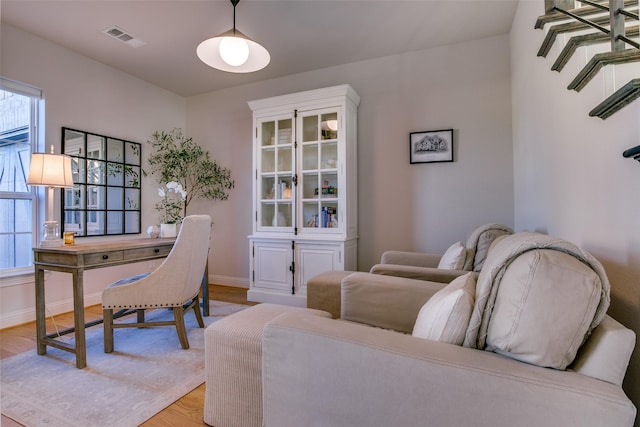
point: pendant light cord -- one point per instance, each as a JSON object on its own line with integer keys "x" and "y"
{"x": 234, "y": 3}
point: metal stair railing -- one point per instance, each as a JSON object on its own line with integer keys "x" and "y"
{"x": 618, "y": 33}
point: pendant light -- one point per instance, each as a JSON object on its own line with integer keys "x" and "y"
{"x": 233, "y": 51}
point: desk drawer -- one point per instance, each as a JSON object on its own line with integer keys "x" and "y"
{"x": 103, "y": 257}
{"x": 142, "y": 253}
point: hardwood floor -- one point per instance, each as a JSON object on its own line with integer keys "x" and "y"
{"x": 185, "y": 412}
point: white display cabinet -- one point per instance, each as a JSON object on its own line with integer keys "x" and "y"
{"x": 304, "y": 191}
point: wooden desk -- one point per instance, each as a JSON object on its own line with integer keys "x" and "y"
{"x": 76, "y": 259}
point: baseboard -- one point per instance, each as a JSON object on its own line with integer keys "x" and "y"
{"x": 240, "y": 282}
{"x": 27, "y": 315}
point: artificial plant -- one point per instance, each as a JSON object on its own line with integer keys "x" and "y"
{"x": 177, "y": 158}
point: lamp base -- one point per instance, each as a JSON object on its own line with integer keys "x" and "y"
{"x": 51, "y": 237}
{"x": 51, "y": 243}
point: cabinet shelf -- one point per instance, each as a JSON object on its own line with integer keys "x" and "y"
{"x": 316, "y": 171}
{"x": 273, "y": 147}
{"x": 281, "y": 174}
{"x": 323, "y": 199}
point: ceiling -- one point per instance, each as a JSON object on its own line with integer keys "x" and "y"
{"x": 301, "y": 35}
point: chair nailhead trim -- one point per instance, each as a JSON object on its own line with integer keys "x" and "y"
{"x": 143, "y": 306}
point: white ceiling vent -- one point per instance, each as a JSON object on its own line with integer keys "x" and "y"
{"x": 123, "y": 36}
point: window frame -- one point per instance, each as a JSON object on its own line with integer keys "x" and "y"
{"x": 34, "y": 194}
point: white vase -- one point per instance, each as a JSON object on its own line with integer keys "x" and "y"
{"x": 153, "y": 231}
{"x": 168, "y": 230}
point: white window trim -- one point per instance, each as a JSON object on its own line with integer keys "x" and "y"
{"x": 25, "y": 275}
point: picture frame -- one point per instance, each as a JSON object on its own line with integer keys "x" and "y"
{"x": 431, "y": 146}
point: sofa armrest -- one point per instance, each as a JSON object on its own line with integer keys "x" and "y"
{"x": 319, "y": 372}
{"x": 384, "y": 301}
{"x": 417, "y": 259}
{"x": 419, "y": 273}
{"x": 605, "y": 355}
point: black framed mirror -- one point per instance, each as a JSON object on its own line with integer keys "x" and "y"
{"x": 105, "y": 199}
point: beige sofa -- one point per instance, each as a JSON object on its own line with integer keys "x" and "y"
{"x": 367, "y": 370}
{"x": 323, "y": 372}
{"x": 371, "y": 367}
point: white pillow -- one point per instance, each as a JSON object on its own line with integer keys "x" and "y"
{"x": 546, "y": 302}
{"x": 454, "y": 257}
{"x": 445, "y": 316}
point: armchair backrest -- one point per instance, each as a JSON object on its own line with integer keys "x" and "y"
{"x": 479, "y": 242}
{"x": 178, "y": 278}
{"x": 183, "y": 268}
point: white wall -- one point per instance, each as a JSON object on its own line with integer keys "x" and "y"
{"x": 570, "y": 177}
{"x": 424, "y": 207}
{"x": 401, "y": 206}
{"x": 87, "y": 95}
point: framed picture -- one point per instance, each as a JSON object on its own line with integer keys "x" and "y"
{"x": 431, "y": 146}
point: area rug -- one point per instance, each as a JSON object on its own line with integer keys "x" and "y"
{"x": 147, "y": 372}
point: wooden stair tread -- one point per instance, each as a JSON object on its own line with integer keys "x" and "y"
{"x": 600, "y": 60}
{"x": 580, "y": 11}
{"x": 619, "y": 99}
{"x": 584, "y": 40}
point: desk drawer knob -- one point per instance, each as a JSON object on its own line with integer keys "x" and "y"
{"x": 105, "y": 256}
{"x": 156, "y": 250}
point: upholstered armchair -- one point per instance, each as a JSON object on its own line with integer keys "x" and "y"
{"x": 456, "y": 261}
{"x": 526, "y": 342}
{"x": 174, "y": 284}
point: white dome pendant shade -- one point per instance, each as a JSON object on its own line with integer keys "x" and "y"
{"x": 233, "y": 51}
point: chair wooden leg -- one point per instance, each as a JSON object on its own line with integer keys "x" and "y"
{"x": 140, "y": 316}
{"x": 196, "y": 310}
{"x": 178, "y": 315}
{"x": 107, "y": 314}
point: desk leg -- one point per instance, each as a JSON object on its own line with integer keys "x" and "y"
{"x": 205, "y": 291}
{"x": 41, "y": 326}
{"x": 78, "y": 318}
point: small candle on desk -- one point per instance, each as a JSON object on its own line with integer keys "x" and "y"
{"x": 69, "y": 238}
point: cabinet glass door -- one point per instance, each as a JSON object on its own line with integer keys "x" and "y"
{"x": 318, "y": 178}
{"x": 275, "y": 173}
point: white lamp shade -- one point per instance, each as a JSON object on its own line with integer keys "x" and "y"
{"x": 209, "y": 52}
{"x": 50, "y": 170}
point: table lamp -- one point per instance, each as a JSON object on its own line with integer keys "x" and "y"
{"x": 51, "y": 171}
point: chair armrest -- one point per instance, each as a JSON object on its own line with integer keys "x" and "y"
{"x": 417, "y": 259}
{"x": 384, "y": 301}
{"x": 319, "y": 371}
{"x": 418, "y": 273}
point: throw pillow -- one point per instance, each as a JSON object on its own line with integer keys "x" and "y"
{"x": 544, "y": 305}
{"x": 445, "y": 316}
{"x": 454, "y": 257}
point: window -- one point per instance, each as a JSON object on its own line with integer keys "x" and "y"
{"x": 19, "y": 108}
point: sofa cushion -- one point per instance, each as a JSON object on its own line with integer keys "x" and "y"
{"x": 445, "y": 316}
{"x": 544, "y": 307}
{"x": 454, "y": 257}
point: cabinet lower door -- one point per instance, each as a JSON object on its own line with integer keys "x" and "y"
{"x": 313, "y": 259}
{"x": 272, "y": 262}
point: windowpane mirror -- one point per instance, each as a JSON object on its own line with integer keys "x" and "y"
{"x": 105, "y": 199}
